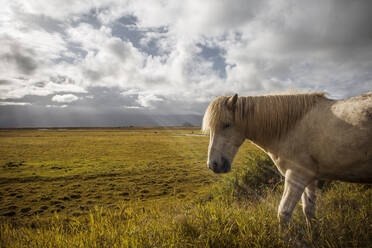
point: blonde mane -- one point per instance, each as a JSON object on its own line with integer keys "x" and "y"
{"x": 261, "y": 116}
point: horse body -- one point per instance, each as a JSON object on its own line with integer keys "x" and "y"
{"x": 332, "y": 141}
{"x": 308, "y": 136}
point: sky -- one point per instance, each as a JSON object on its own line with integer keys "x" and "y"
{"x": 118, "y": 63}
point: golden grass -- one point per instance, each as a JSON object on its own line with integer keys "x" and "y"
{"x": 151, "y": 188}
{"x": 214, "y": 223}
{"x": 71, "y": 171}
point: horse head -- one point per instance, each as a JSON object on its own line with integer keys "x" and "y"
{"x": 225, "y": 135}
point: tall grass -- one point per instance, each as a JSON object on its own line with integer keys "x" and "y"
{"x": 257, "y": 179}
{"x": 227, "y": 217}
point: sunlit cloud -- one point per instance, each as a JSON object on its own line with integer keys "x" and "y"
{"x": 133, "y": 107}
{"x": 65, "y": 98}
{"x": 56, "y": 106}
{"x": 14, "y": 103}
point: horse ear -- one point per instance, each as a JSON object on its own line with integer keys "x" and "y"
{"x": 232, "y": 101}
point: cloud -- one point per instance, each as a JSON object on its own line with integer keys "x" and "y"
{"x": 88, "y": 37}
{"x": 167, "y": 56}
{"x": 23, "y": 59}
{"x": 132, "y": 107}
{"x": 67, "y": 98}
{"x": 16, "y": 88}
{"x": 146, "y": 100}
{"x": 16, "y": 58}
{"x": 56, "y": 106}
{"x": 14, "y": 103}
{"x": 143, "y": 99}
{"x": 57, "y": 9}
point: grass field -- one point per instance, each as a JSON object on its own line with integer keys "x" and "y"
{"x": 145, "y": 187}
{"x": 70, "y": 171}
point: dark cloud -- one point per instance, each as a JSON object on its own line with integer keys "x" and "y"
{"x": 5, "y": 82}
{"x": 26, "y": 64}
{"x": 119, "y": 49}
{"x": 236, "y": 13}
{"x": 104, "y": 97}
{"x": 101, "y": 106}
{"x": 22, "y": 58}
{"x": 92, "y": 75}
{"x": 334, "y": 27}
{"x": 350, "y": 22}
{"x": 84, "y": 116}
{"x": 43, "y": 22}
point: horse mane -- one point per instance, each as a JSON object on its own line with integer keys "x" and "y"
{"x": 261, "y": 116}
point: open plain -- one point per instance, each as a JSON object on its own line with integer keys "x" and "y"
{"x": 150, "y": 187}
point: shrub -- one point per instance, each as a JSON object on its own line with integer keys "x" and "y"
{"x": 254, "y": 180}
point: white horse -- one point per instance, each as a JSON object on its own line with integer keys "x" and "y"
{"x": 308, "y": 136}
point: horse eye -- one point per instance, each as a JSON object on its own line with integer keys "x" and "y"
{"x": 226, "y": 125}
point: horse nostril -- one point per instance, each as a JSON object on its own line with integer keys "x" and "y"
{"x": 226, "y": 164}
{"x": 214, "y": 165}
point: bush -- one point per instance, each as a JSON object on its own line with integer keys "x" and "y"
{"x": 254, "y": 180}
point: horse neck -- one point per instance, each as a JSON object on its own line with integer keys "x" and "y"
{"x": 267, "y": 119}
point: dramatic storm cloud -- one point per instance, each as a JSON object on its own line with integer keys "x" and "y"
{"x": 130, "y": 62}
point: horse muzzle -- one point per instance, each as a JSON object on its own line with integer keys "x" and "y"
{"x": 220, "y": 167}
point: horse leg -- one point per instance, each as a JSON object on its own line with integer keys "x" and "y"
{"x": 308, "y": 202}
{"x": 293, "y": 188}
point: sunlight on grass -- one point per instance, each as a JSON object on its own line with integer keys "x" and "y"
{"x": 151, "y": 188}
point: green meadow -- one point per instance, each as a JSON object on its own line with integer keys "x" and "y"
{"x": 150, "y": 187}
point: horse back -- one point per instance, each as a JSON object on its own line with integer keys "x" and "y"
{"x": 356, "y": 111}
{"x": 335, "y": 139}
